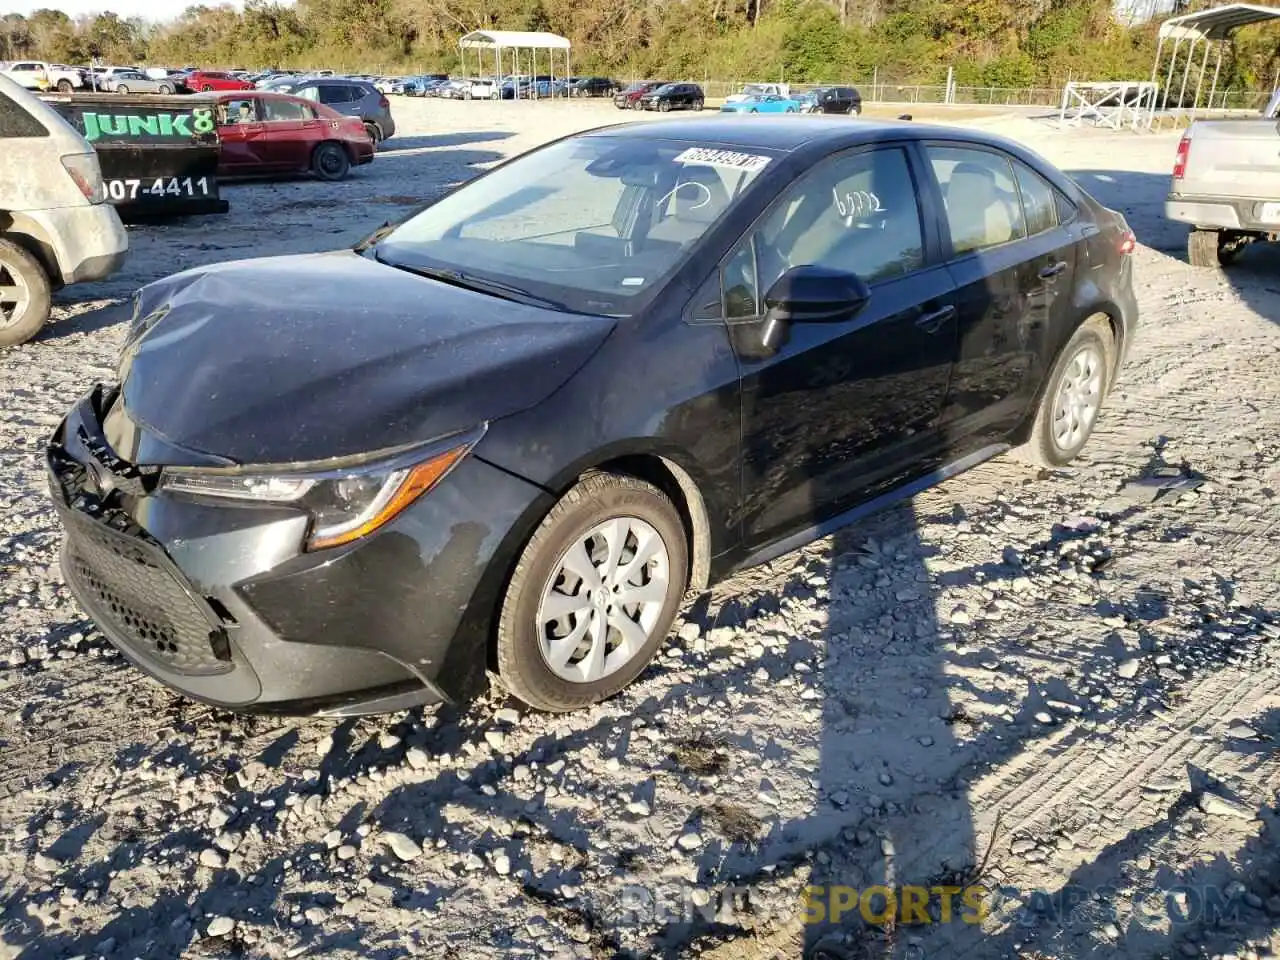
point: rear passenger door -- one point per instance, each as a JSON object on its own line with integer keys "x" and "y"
{"x": 290, "y": 131}
{"x": 1010, "y": 263}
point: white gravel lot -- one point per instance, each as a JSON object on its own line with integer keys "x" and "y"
{"x": 1031, "y": 681}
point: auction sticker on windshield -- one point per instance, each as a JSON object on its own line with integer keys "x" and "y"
{"x": 710, "y": 157}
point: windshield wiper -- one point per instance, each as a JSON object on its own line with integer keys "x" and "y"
{"x": 495, "y": 288}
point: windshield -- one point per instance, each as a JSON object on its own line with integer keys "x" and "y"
{"x": 592, "y": 224}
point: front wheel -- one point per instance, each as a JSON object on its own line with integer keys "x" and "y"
{"x": 65, "y": 86}
{"x": 664, "y": 106}
{"x": 164, "y": 90}
{"x": 1073, "y": 397}
{"x": 593, "y": 594}
{"x": 25, "y": 299}
{"x": 206, "y": 88}
{"x": 330, "y": 162}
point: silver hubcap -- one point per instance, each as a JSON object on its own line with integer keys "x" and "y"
{"x": 1079, "y": 398}
{"x": 14, "y": 295}
{"x": 603, "y": 600}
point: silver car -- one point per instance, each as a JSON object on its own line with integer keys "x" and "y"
{"x": 133, "y": 81}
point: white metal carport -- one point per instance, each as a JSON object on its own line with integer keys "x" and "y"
{"x": 516, "y": 42}
{"x": 1212, "y": 27}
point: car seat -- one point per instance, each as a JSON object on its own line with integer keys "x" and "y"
{"x": 980, "y": 217}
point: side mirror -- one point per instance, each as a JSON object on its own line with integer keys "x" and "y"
{"x": 811, "y": 294}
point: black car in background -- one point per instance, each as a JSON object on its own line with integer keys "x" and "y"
{"x": 511, "y": 432}
{"x": 628, "y": 97}
{"x": 673, "y": 96}
{"x": 836, "y": 100}
{"x": 592, "y": 87}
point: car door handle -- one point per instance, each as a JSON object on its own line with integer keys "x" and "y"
{"x": 932, "y": 322}
{"x": 1053, "y": 270}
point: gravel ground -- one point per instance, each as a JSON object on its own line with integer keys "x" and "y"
{"x": 1053, "y": 685}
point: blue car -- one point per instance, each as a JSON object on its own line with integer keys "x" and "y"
{"x": 767, "y": 103}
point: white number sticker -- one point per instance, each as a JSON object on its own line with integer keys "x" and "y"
{"x": 709, "y": 157}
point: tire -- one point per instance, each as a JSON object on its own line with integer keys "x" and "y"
{"x": 523, "y": 667}
{"x": 1216, "y": 248}
{"x": 697, "y": 104}
{"x": 329, "y": 161}
{"x": 664, "y": 106}
{"x": 206, "y": 88}
{"x": 65, "y": 86}
{"x": 164, "y": 90}
{"x": 20, "y": 270}
{"x": 855, "y": 111}
{"x": 1046, "y": 447}
{"x": 755, "y": 111}
{"x": 121, "y": 88}
{"x": 466, "y": 95}
{"x": 374, "y": 133}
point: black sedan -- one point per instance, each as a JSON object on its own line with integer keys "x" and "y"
{"x": 513, "y": 431}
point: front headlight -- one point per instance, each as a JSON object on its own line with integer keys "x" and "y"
{"x": 346, "y": 501}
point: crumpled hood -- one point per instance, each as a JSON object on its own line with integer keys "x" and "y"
{"x": 309, "y": 357}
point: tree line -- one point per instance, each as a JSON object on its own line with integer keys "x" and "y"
{"x": 1002, "y": 43}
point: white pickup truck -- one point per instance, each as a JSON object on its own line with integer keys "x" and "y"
{"x": 1226, "y": 186}
{"x": 38, "y": 75}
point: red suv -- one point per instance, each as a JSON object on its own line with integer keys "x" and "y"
{"x": 206, "y": 80}
{"x": 628, "y": 99}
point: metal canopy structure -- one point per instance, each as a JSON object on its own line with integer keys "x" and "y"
{"x": 1212, "y": 28}
{"x": 1114, "y": 104}
{"x": 520, "y": 44}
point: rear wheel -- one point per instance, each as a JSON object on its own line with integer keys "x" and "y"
{"x": 25, "y": 298}
{"x": 121, "y": 88}
{"x": 855, "y": 110}
{"x": 1216, "y": 248}
{"x": 1073, "y": 396}
{"x": 206, "y": 88}
{"x": 65, "y": 86}
{"x": 697, "y": 104}
{"x": 374, "y": 133}
{"x": 164, "y": 89}
{"x": 330, "y": 162}
{"x": 593, "y": 594}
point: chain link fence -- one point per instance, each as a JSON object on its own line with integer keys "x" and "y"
{"x": 876, "y": 88}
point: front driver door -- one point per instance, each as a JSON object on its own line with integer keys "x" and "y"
{"x": 840, "y": 411}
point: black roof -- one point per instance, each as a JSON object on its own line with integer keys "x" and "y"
{"x": 788, "y": 133}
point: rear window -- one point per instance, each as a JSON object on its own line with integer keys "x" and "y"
{"x": 16, "y": 122}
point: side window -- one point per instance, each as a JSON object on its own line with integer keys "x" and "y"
{"x": 1066, "y": 209}
{"x": 309, "y": 93}
{"x": 241, "y": 111}
{"x": 16, "y": 122}
{"x": 740, "y": 291}
{"x": 1038, "y": 202}
{"x": 856, "y": 213}
{"x": 980, "y": 195}
{"x": 280, "y": 110}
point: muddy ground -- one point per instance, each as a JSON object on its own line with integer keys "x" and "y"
{"x": 1054, "y": 689}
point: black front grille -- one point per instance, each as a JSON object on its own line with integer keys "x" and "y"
{"x": 140, "y": 601}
